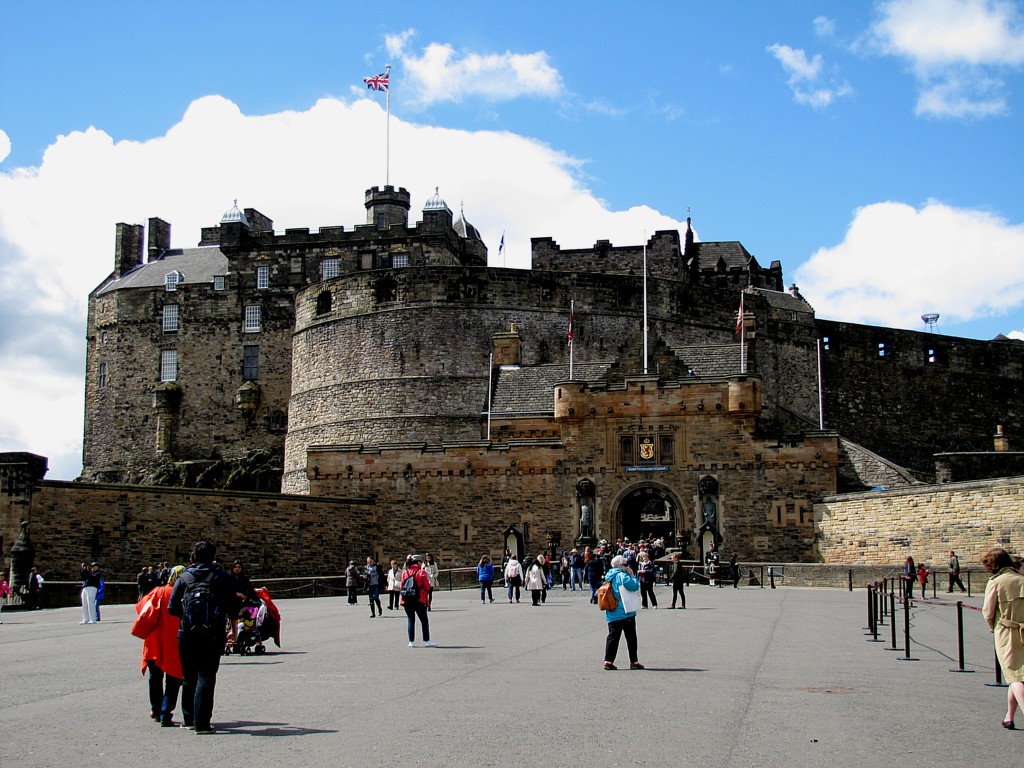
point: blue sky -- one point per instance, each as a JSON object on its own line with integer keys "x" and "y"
{"x": 873, "y": 148}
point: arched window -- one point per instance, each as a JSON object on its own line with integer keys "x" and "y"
{"x": 323, "y": 302}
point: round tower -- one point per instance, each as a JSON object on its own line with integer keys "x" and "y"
{"x": 387, "y": 207}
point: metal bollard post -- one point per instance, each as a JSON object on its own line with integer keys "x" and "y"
{"x": 892, "y": 620}
{"x": 771, "y": 576}
{"x": 314, "y": 587}
{"x": 880, "y": 602}
{"x": 999, "y": 673}
{"x": 968, "y": 583}
{"x": 906, "y": 632}
{"x": 849, "y": 578}
{"x": 960, "y": 637}
{"x": 870, "y": 609}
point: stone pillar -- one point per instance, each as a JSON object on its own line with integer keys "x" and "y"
{"x": 20, "y": 473}
{"x": 508, "y": 347}
{"x": 166, "y": 397}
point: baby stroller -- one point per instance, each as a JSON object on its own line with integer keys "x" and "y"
{"x": 258, "y": 620}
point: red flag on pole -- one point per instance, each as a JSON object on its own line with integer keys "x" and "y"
{"x": 739, "y": 319}
{"x": 570, "y": 324}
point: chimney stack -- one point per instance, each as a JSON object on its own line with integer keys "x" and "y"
{"x": 159, "y": 238}
{"x": 127, "y": 248}
{"x": 1001, "y": 443}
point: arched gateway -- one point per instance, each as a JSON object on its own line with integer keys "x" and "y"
{"x": 647, "y": 509}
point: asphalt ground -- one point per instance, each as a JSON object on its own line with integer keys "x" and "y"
{"x": 743, "y": 677}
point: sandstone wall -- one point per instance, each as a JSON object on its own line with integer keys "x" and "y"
{"x": 922, "y": 521}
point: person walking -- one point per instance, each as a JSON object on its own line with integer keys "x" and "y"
{"x": 513, "y": 577}
{"x": 535, "y": 580}
{"x": 35, "y": 589}
{"x": 576, "y": 567}
{"x": 734, "y": 571}
{"x": 90, "y": 575}
{"x": 621, "y": 621}
{"x": 1003, "y": 609}
{"x": 373, "y": 587}
{"x": 485, "y": 575}
{"x": 415, "y": 593}
{"x": 680, "y": 576}
{"x": 5, "y": 590}
{"x": 430, "y": 568}
{"x": 101, "y": 595}
{"x": 352, "y": 575}
{"x": 593, "y": 572}
{"x": 203, "y": 597}
{"x": 160, "y": 655}
{"x": 954, "y": 572}
{"x": 394, "y": 586}
{"x": 646, "y": 575}
{"x": 909, "y": 575}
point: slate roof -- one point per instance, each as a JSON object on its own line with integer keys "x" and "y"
{"x": 197, "y": 265}
{"x": 716, "y": 360}
{"x": 785, "y": 300}
{"x": 531, "y": 390}
{"x": 731, "y": 252}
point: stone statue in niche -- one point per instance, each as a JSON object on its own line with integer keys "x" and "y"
{"x": 586, "y": 521}
{"x": 710, "y": 512}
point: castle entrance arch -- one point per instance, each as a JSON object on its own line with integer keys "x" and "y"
{"x": 647, "y": 509}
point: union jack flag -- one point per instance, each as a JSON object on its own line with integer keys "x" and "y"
{"x": 379, "y": 82}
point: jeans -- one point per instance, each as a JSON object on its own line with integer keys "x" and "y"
{"x": 615, "y": 631}
{"x": 677, "y": 589}
{"x": 200, "y": 660}
{"x": 162, "y": 698}
{"x": 513, "y": 587}
{"x": 394, "y": 600}
{"x": 373, "y": 591}
{"x": 577, "y": 578}
{"x": 411, "y": 612}
{"x": 593, "y": 592}
{"x": 485, "y": 587}
{"x": 647, "y": 590}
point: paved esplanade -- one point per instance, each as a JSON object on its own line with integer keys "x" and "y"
{"x": 748, "y": 677}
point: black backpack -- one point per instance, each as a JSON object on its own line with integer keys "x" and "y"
{"x": 409, "y": 591}
{"x": 201, "y": 614}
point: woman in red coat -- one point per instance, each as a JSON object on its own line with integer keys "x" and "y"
{"x": 417, "y": 606}
{"x": 159, "y": 631}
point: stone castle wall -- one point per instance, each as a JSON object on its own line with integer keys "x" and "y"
{"x": 926, "y": 394}
{"x": 926, "y": 522}
{"x": 124, "y": 527}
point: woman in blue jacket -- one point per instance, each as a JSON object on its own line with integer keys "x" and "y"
{"x": 485, "y": 575}
{"x": 620, "y": 620}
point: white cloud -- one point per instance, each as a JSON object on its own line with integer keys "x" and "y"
{"x": 5, "y": 145}
{"x": 311, "y": 169}
{"x": 824, "y": 26}
{"x": 806, "y": 80}
{"x": 1016, "y": 335}
{"x": 897, "y": 262}
{"x": 956, "y": 49}
{"x": 440, "y": 74}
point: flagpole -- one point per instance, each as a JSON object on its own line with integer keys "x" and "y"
{"x": 490, "y": 373}
{"x": 743, "y": 338}
{"x": 645, "y": 301}
{"x": 572, "y": 304}
{"x": 387, "y": 132}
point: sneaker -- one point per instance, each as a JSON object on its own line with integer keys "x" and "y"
{"x": 205, "y": 731}
{"x": 608, "y": 665}
{"x": 430, "y": 644}
{"x": 636, "y": 665}
{"x": 412, "y": 645}
{"x": 153, "y": 717}
{"x": 167, "y": 723}
{"x": 187, "y": 727}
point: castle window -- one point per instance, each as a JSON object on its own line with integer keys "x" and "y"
{"x": 934, "y": 356}
{"x": 323, "y": 302}
{"x": 400, "y": 260}
{"x": 278, "y": 421}
{"x": 170, "y": 318}
{"x": 882, "y": 349}
{"x": 253, "y": 319}
{"x": 330, "y": 268}
{"x": 625, "y": 450}
{"x": 250, "y": 362}
{"x": 297, "y": 267}
{"x": 824, "y": 343}
{"x": 169, "y": 365}
{"x": 218, "y": 282}
{"x": 366, "y": 261}
{"x": 667, "y": 446}
{"x": 382, "y": 221}
{"x": 171, "y": 280}
{"x": 101, "y": 381}
{"x": 386, "y": 290}
{"x": 262, "y": 278}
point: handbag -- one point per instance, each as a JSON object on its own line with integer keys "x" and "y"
{"x": 149, "y": 616}
{"x": 606, "y": 597}
{"x": 630, "y": 600}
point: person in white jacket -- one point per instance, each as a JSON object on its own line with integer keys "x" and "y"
{"x": 536, "y": 580}
{"x": 513, "y": 577}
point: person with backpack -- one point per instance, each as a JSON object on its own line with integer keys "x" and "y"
{"x": 415, "y": 594}
{"x": 204, "y": 599}
{"x": 513, "y": 577}
{"x": 619, "y": 619}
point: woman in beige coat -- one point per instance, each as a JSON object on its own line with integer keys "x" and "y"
{"x": 1004, "y": 611}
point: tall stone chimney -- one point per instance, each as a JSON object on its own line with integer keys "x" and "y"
{"x": 1000, "y": 440}
{"x": 159, "y": 238}
{"x": 508, "y": 347}
{"x": 127, "y": 247}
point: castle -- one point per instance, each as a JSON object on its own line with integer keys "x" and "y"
{"x": 388, "y": 366}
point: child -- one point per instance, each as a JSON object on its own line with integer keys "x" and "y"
{"x": 5, "y": 590}
{"x": 922, "y": 576}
